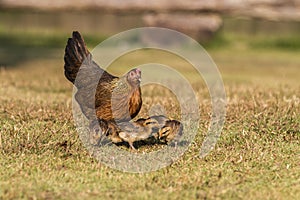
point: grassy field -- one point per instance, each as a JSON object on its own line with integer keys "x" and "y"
{"x": 257, "y": 156}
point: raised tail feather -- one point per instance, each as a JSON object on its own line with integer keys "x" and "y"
{"x": 75, "y": 53}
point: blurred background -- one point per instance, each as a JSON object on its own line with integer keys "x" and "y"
{"x": 33, "y": 29}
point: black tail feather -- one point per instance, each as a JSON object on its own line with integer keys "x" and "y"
{"x": 75, "y": 53}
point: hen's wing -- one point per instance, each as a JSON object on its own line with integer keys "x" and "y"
{"x": 86, "y": 75}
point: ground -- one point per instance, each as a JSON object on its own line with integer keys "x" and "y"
{"x": 256, "y": 157}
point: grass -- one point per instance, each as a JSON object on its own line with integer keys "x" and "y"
{"x": 257, "y": 156}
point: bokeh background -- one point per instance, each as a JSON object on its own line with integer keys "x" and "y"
{"x": 33, "y": 29}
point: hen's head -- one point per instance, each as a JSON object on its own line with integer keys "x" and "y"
{"x": 134, "y": 77}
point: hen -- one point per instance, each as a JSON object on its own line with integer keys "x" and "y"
{"x": 98, "y": 92}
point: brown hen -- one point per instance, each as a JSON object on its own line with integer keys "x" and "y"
{"x": 98, "y": 92}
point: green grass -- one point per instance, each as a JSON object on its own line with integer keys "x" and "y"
{"x": 257, "y": 156}
{"x": 284, "y": 42}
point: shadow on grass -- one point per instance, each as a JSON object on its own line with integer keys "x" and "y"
{"x": 138, "y": 144}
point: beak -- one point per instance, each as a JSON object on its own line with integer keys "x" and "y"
{"x": 139, "y": 73}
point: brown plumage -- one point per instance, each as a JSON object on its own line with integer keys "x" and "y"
{"x": 98, "y": 92}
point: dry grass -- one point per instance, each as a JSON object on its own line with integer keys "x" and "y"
{"x": 257, "y": 156}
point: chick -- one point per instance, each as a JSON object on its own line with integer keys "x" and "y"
{"x": 142, "y": 129}
{"x": 161, "y": 121}
{"x": 169, "y": 131}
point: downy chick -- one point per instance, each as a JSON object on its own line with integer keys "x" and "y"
{"x": 137, "y": 131}
{"x": 169, "y": 131}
